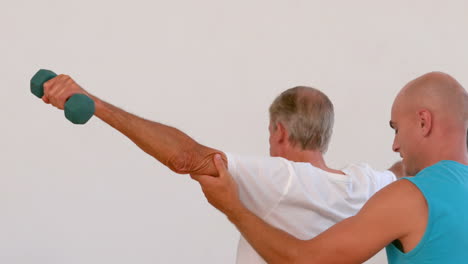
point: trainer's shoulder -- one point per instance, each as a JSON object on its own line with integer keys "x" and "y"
{"x": 400, "y": 198}
{"x": 403, "y": 189}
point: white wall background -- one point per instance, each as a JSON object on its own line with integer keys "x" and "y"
{"x": 86, "y": 194}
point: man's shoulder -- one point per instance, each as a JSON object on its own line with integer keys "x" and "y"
{"x": 253, "y": 160}
{"x": 363, "y": 172}
{"x": 259, "y": 168}
{"x": 360, "y": 168}
{"x": 254, "y": 157}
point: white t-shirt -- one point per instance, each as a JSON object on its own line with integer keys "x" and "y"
{"x": 299, "y": 198}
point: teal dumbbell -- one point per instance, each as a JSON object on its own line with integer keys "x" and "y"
{"x": 79, "y": 108}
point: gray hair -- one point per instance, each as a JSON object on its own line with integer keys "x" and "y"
{"x": 308, "y": 116}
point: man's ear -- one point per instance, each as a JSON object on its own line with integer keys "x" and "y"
{"x": 282, "y": 133}
{"x": 425, "y": 122}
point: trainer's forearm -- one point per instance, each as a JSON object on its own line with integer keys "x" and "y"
{"x": 274, "y": 245}
{"x": 168, "y": 145}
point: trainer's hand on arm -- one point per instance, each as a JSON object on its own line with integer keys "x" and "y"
{"x": 221, "y": 191}
{"x": 391, "y": 214}
{"x": 168, "y": 145}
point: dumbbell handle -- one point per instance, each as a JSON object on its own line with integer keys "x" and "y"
{"x": 79, "y": 108}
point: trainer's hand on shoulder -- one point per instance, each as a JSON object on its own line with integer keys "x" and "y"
{"x": 59, "y": 89}
{"x": 221, "y": 191}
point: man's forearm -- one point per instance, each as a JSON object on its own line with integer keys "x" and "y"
{"x": 168, "y": 145}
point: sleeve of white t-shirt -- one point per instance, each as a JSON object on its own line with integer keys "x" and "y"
{"x": 262, "y": 181}
{"x": 382, "y": 178}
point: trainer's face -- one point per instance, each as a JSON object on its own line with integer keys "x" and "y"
{"x": 406, "y": 139}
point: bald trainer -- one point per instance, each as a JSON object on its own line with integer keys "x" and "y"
{"x": 422, "y": 219}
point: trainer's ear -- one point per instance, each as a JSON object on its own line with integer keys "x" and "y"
{"x": 425, "y": 122}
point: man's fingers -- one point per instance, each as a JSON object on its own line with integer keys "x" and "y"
{"x": 57, "y": 90}
{"x": 62, "y": 97}
{"x": 51, "y": 81}
{"x": 49, "y": 87}
{"x": 45, "y": 99}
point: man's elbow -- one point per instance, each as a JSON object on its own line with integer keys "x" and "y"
{"x": 194, "y": 159}
{"x": 181, "y": 163}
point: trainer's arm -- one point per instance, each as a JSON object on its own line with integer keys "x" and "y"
{"x": 388, "y": 215}
{"x": 168, "y": 145}
{"x": 353, "y": 240}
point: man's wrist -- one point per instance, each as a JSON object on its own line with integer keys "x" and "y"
{"x": 100, "y": 106}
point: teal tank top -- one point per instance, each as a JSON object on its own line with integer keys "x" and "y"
{"x": 445, "y": 241}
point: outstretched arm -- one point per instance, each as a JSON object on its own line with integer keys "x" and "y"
{"x": 168, "y": 145}
{"x": 390, "y": 214}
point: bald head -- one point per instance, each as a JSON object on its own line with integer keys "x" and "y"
{"x": 438, "y": 92}
{"x": 430, "y": 118}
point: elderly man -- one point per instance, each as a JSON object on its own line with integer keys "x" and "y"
{"x": 294, "y": 189}
{"x": 419, "y": 220}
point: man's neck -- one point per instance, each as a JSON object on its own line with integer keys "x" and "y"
{"x": 313, "y": 157}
